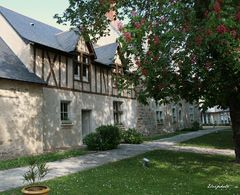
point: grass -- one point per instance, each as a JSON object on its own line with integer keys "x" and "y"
{"x": 169, "y": 173}
{"x": 47, "y": 157}
{"x": 218, "y": 140}
{"x": 164, "y": 135}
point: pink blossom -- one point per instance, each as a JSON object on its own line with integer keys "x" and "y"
{"x": 209, "y": 32}
{"x": 134, "y": 13}
{"x": 143, "y": 21}
{"x": 120, "y": 26}
{"x": 221, "y": 29}
{"x": 185, "y": 28}
{"x": 206, "y": 13}
{"x": 163, "y": 19}
{"x": 127, "y": 36}
{"x": 144, "y": 72}
{"x": 137, "y": 25}
{"x": 193, "y": 59}
{"x": 233, "y": 33}
{"x": 155, "y": 58}
{"x": 238, "y": 16}
{"x": 149, "y": 53}
{"x": 138, "y": 63}
{"x": 217, "y": 7}
{"x": 208, "y": 65}
{"x": 173, "y": 1}
{"x": 198, "y": 40}
{"x": 156, "y": 40}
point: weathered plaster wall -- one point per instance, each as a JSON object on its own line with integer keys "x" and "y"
{"x": 20, "y": 119}
{"x": 57, "y": 135}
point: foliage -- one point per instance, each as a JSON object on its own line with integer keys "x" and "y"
{"x": 36, "y": 172}
{"x": 106, "y": 137}
{"x": 196, "y": 126}
{"x": 93, "y": 141}
{"x": 42, "y": 158}
{"x": 218, "y": 140}
{"x": 170, "y": 173}
{"x": 173, "y": 49}
{"x": 131, "y": 136}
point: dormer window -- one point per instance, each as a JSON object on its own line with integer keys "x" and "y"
{"x": 85, "y": 68}
{"x": 81, "y": 67}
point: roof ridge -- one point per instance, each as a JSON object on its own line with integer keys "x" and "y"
{"x": 4, "y": 8}
{"x": 101, "y": 46}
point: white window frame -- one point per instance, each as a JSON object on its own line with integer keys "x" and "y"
{"x": 82, "y": 61}
{"x": 65, "y": 113}
{"x": 78, "y": 64}
{"x": 86, "y": 64}
{"x": 117, "y": 112}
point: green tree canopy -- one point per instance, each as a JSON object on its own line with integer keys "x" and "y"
{"x": 174, "y": 49}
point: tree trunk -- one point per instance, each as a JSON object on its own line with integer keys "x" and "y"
{"x": 235, "y": 118}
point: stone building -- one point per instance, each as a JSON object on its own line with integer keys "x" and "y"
{"x": 216, "y": 116}
{"x": 55, "y": 88}
{"x": 157, "y": 118}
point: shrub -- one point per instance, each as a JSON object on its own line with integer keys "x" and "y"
{"x": 92, "y": 141}
{"x": 131, "y": 136}
{"x": 186, "y": 129}
{"x": 106, "y": 137}
{"x": 196, "y": 126}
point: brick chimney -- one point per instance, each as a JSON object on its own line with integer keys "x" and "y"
{"x": 111, "y": 15}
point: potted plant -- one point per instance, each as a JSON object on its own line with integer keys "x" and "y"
{"x": 36, "y": 172}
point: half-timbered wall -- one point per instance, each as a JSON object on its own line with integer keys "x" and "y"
{"x": 56, "y": 68}
{"x": 95, "y": 96}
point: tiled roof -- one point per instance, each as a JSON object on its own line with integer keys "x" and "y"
{"x": 38, "y": 32}
{"x": 106, "y": 54}
{"x": 12, "y": 68}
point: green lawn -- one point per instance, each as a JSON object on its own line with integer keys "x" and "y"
{"x": 48, "y": 157}
{"x": 170, "y": 173}
{"x": 164, "y": 135}
{"x": 219, "y": 140}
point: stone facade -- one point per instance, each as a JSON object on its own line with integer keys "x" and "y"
{"x": 21, "y": 119}
{"x": 78, "y": 92}
{"x": 99, "y": 108}
{"x": 216, "y": 116}
{"x": 31, "y": 118}
{"x": 155, "y": 118}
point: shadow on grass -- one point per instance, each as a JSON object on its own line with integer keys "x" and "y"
{"x": 218, "y": 140}
{"x": 169, "y": 173}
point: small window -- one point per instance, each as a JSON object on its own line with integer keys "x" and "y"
{"x": 159, "y": 115}
{"x": 65, "y": 111}
{"x": 174, "y": 115}
{"x": 85, "y": 69}
{"x": 117, "y": 112}
{"x": 81, "y": 65}
{"x": 180, "y": 116}
{"x": 77, "y": 67}
{"x": 191, "y": 114}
